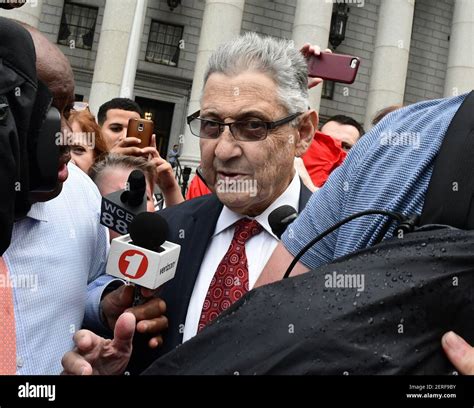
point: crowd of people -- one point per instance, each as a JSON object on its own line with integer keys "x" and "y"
{"x": 266, "y": 134}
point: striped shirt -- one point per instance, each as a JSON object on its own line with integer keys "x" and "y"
{"x": 388, "y": 169}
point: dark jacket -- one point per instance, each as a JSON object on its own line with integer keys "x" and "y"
{"x": 192, "y": 224}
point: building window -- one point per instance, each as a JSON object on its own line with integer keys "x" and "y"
{"x": 78, "y": 25}
{"x": 164, "y": 43}
{"x": 328, "y": 90}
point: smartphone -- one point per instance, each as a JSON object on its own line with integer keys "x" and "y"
{"x": 142, "y": 129}
{"x": 334, "y": 67}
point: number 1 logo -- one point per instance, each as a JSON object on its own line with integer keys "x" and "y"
{"x": 133, "y": 264}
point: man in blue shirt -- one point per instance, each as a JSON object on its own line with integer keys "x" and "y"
{"x": 389, "y": 169}
{"x": 58, "y": 252}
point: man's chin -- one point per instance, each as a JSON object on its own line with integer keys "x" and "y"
{"x": 239, "y": 203}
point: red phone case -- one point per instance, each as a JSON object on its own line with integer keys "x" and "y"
{"x": 334, "y": 67}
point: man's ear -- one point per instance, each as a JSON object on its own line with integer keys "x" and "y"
{"x": 306, "y": 128}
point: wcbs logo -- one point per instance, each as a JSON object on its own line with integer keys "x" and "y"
{"x": 133, "y": 264}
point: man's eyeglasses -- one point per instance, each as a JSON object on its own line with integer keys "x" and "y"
{"x": 252, "y": 130}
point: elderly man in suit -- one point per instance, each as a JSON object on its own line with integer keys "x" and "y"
{"x": 254, "y": 120}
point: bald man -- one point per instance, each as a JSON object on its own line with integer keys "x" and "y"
{"x": 59, "y": 250}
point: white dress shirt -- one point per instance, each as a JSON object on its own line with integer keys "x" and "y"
{"x": 258, "y": 250}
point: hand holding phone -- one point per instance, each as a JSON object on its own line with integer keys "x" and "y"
{"x": 334, "y": 67}
{"x": 141, "y": 129}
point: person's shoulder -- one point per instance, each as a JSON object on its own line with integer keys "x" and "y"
{"x": 79, "y": 183}
{"x": 421, "y": 126}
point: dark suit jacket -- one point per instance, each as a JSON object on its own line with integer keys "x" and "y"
{"x": 192, "y": 224}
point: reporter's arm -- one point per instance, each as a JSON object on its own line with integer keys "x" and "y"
{"x": 277, "y": 266}
{"x": 165, "y": 178}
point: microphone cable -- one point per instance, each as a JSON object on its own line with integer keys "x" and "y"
{"x": 407, "y": 223}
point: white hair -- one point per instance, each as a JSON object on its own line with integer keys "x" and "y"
{"x": 274, "y": 57}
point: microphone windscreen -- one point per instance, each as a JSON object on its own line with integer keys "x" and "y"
{"x": 136, "y": 180}
{"x": 149, "y": 230}
{"x": 136, "y": 188}
{"x": 280, "y": 218}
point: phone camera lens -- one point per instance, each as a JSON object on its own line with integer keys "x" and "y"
{"x": 140, "y": 127}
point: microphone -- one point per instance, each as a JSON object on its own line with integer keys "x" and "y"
{"x": 144, "y": 257}
{"x": 120, "y": 208}
{"x": 280, "y": 218}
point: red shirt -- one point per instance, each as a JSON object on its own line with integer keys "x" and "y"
{"x": 196, "y": 189}
{"x": 323, "y": 156}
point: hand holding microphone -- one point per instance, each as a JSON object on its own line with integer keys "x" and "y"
{"x": 147, "y": 260}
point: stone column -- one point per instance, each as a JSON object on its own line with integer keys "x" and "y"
{"x": 312, "y": 24}
{"x": 390, "y": 62}
{"x": 117, "y": 55}
{"x": 29, "y": 13}
{"x": 222, "y": 21}
{"x": 460, "y": 73}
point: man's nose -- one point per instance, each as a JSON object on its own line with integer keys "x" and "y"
{"x": 227, "y": 147}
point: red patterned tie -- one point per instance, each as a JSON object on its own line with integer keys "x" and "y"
{"x": 7, "y": 325}
{"x": 231, "y": 280}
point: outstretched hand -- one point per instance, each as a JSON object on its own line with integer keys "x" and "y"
{"x": 94, "y": 355}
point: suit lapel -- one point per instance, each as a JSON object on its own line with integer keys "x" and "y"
{"x": 198, "y": 234}
{"x": 305, "y": 195}
{"x": 198, "y": 229}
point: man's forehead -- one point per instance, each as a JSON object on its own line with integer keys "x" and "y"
{"x": 233, "y": 85}
{"x": 121, "y": 116}
{"x": 246, "y": 91}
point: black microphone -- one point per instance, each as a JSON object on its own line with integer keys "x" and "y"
{"x": 280, "y": 218}
{"x": 136, "y": 189}
{"x": 121, "y": 207}
{"x": 149, "y": 231}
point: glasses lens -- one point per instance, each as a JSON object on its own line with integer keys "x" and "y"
{"x": 251, "y": 130}
{"x": 206, "y": 128}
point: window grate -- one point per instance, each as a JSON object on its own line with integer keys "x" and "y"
{"x": 78, "y": 25}
{"x": 328, "y": 90}
{"x": 164, "y": 43}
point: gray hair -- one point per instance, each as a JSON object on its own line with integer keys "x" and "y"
{"x": 116, "y": 161}
{"x": 275, "y": 57}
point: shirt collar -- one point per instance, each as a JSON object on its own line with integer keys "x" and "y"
{"x": 291, "y": 196}
{"x": 39, "y": 212}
